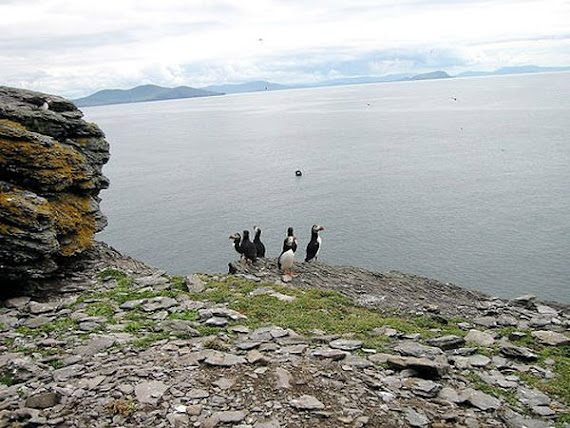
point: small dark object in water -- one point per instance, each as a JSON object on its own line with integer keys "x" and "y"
{"x": 298, "y": 173}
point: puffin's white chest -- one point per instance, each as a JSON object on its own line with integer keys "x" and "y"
{"x": 319, "y": 241}
{"x": 287, "y": 259}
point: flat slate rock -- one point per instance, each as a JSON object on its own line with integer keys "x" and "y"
{"x": 307, "y": 402}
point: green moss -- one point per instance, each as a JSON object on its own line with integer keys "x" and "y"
{"x": 147, "y": 340}
{"x": 559, "y": 385}
{"x": 111, "y": 273}
{"x": 101, "y": 309}
{"x": 57, "y": 326}
{"x": 6, "y": 379}
{"x": 189, "y": 315}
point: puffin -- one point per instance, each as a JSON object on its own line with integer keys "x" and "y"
{"x": 287, "y": 256}
{"x": 314, "y": 245}
{"x": 257, "y": 242}
{"x": 290, "y": 233}
{"x": 248, "y": 248}
{"x": 236, "y": 237}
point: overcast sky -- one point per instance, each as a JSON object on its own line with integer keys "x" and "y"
{"x": 76, "y": 47}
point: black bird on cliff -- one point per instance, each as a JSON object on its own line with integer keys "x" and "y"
{"x": 286, "y": 242}
{"x": 236, "y": 237}
{"x": 248, "y": 248}
{"x": 314, "y": 245}
{"x": 257, "y": 242}
{"x": 287, "y": 256}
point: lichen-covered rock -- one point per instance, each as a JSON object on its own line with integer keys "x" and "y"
{"x": 50, "y": 176}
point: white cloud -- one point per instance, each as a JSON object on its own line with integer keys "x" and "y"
{"x": 74, "y": 47}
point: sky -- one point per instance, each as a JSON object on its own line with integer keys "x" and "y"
{"x": 76, "y": 47}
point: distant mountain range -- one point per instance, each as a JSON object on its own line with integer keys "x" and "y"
{"x": 156, "y": 93}
{"x": 141, "y": 94}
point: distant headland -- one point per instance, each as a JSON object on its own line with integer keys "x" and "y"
{"x": 146, "y": 93}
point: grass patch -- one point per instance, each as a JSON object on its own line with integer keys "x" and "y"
{"x": 147, "y": 340}
{"x": 101, "y": 309}
{"x": 559, "y": 385}
{"x": 6, "y": 379}
{"x": 325, "y": 310}
{"x": 177, "y": 282}
{"x": 189, "y": 315}
{"x": 59, "y": 325}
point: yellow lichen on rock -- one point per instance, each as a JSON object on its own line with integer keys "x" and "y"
{"x": 74, "y": 222}
{"x": 44, "y": 163}
{"x": 50, "y": 177}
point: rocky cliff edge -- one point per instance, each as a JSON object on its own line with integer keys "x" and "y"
{"x": 50, "y": 178}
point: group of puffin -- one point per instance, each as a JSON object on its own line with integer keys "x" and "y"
{"x": 252, "y": 250}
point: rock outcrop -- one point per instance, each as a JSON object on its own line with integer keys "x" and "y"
{"x": 50, "y": 176}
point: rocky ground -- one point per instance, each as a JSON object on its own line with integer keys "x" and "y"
{"x": 118, "y": 343}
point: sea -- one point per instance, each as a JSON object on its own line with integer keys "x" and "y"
{"x": 463, "y": 180}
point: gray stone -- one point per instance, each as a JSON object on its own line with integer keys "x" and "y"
{"x": 38, "y": 321}
{"x": 416, "y": 350}
{"x": 384, "y": 331}
{"x": 158, "y": 303}
{"x": 518, "y": 352}
{"x": 150, "y": 392}
{"x": 481, "y": 400}
{"x": 231, "y": 416}
{"x": 224, "y": 383}
{"x": 179, "y": 326}
{"x": 416, "y": 418}
{"x": 526, "y": 300}
{"x": 256, "y": 357}
{"x": 328, "y": 353}
{"x": 216, "y": 322}
{"x": 515, "y": 420}
{"x": 346, "y": 345}
{"x": 43, "y": 400}
{"x": 197, "y": 394}
{"x": 246, "y": 345}
{"x": 532, "y": 397}
{"x": 546, "y": 310}
{"x": 479, "y": 360}
{"x": 352, "y": 360}
{"x": 220, "y": 359}
{"x": 488, "y": 322}
{"x": 480, "y": 338}
{"x": 426, "y": 368}
{"x": 426, "y": 388}
{"x": 41, "y": 308}
{"x": 17, "y": 302}
{"x": 447, "y": 342}
{"x": 95, "y": 345}
{"x": 271, "y": 423}
{"x": 551, "y": 338}
{"x": 195, "y": 284}
{"x": 307, "y": 402}
{"x": 450, "y": 394}
{"x": 228, "y": 313}
{"x": 283, "y": 378}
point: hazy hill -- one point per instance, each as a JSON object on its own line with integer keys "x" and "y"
{"x": 256, "y": 86}
{"x": 141, "y": 94}
{"x": 514, "y": 70}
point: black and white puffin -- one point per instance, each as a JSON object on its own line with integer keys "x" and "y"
{"x": 236, "y": 237}
{"x": 248, "y": 248}
{"x": 287, "y": 256}
{"x": 314, "y": 245}
{"x": 257, "y": 242}
{"x": 290, "y": 233}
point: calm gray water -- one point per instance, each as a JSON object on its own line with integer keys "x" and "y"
{"x": 473, "y": 191}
